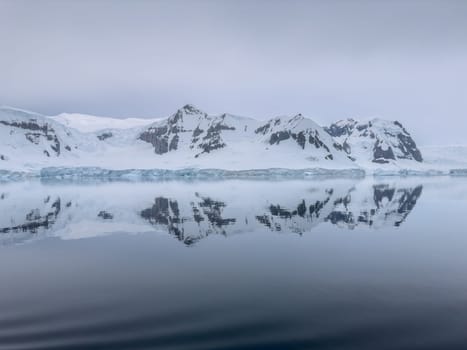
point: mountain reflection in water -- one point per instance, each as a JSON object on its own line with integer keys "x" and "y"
{"x": 333, "y": 264}
{"x": 193, "y": 211}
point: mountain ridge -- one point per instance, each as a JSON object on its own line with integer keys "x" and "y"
{"x": 192, "y": 138}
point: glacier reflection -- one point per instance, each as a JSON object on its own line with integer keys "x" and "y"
{"x": 193, "y": 211}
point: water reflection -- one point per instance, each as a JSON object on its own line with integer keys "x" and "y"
{"x": 390, "y": 206}
{"x": 375, "y": 260}
{"x": 383, "y": 206}
{"x": 166, "y": 212}
{"x": 36, "y": 218}
{"x": 191, "y": 212}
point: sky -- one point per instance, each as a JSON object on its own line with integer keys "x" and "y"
{"x": 330, "y": 60}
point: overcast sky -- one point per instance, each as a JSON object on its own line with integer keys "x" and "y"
{"x": 404, "y": 60}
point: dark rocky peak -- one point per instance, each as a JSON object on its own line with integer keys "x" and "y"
{"x": 164, "y": 135}
{"x": 204, "y": 130}
{"x": 188, "y": 114}
{"x": 380, "y": 141}
{"x": 187, "y": 110}
{"x": 191, "y": 109}
{"x": 341, "y": 128}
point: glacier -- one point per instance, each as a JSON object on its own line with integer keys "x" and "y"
{"x": 59, "y": 173}
{"x": 77, "y": 174}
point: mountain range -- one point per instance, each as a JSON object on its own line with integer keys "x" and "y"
{"x": 193, "y": 139}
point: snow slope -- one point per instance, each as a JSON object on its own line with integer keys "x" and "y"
{"x": 89, "y": 123}
{"x": 30, "y": 141}
{"x": 446, "y": 156}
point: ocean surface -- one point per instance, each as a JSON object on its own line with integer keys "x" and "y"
{"x": 318, "y": 264}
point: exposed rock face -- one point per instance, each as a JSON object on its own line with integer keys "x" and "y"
{"x": 164, "y": 136}
{"x": 158, "y": 137}
{"x": 104, "y": 136}
{"x": 202, "y": 133}
{"x": 342, "y": 128}
{"x": 304, "y": 132}
{"x": 105, "y": 215}
{"x": 212, "y": 138}
{"x": 34, "y": 134}
{"x": 378, "y": 141}
{"x": 35, "y": 130}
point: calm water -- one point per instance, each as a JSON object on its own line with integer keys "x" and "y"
{"x": 342, "y": 264}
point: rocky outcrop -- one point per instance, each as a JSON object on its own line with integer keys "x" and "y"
{"x": 165, "y": 135}
{"x": 158, "y": 137}
{"x": 378, "y": 141}
{"x": 202, "y": 133}
{"x": 301, "y": 131}
{"x": 105, "y": 135}
{"x": 105, "y": 215}
{"x": 211, "y": 139}
{"x": 34, "y": 131}
{"x": 37, "y": 136}
{"x": 342, "y": 128}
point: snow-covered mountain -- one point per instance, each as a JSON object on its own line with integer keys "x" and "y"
{"x": 193, "y": 131}
{"x": 19, "y": 129}
{"x": 295, "y": 142}
{"x": 193, "y": 139}
{"x": 189, "y": 138}
{"x": 305, "y": 133}
{"x": 375, "y": 141}
{"x": 29, "y": 139}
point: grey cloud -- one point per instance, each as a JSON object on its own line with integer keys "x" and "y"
{"x": 404, "y": 60}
